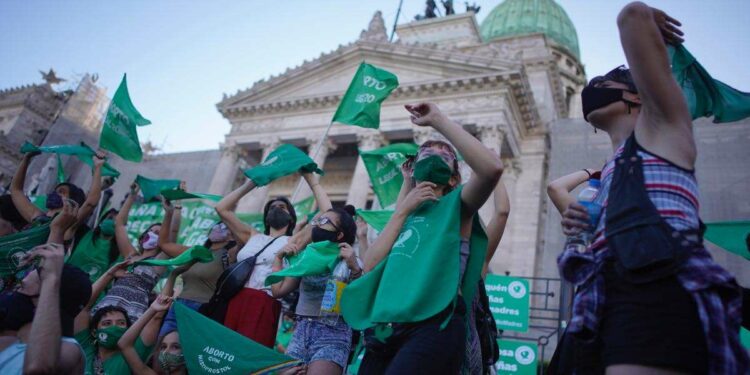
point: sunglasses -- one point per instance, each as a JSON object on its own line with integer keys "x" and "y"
{"x": 320, "y": 221}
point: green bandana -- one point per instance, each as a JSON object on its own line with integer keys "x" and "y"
{"x": 427, "y": 263}
{"x": 384, "y": 168}
{"x": 198, "y": 253}
{"x": 177, "y": 194}
{"x": 283, "y": 161}
{"x": 107, "y": 227}
{"x": 375, "y": 219}
{"x": 152, "y": 188}
{"x": 83, "y": 152}
{"x": 211, "y": 348}
{"x": 360, "y": 105}
{"x": 14, "y": 246}
{"x": 119, "y": 133}
{"x": 108, "y": 337}
{"x": 433, "y": 169}
{"x": 317, "y": 258}
{"x": 91, "y": 255}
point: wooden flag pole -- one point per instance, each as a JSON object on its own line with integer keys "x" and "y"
{"x": 314, "y": 155}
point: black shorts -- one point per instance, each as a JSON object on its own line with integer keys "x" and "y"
{"x": 653, "y": 324}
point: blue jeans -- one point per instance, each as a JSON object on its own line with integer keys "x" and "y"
{"x": 315, "y": 341}
{"x": 170, "y": 321}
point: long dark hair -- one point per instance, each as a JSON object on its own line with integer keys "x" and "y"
{"x": 292, "y": 224}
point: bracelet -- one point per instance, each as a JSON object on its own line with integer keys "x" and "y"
{"x": 587, "y": 172}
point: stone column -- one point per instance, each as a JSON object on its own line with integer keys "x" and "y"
{"x": 360, "y": 186}
{"x": 226, "y": 171}
{"x": 500, "y": 264}
{"x": 492, "y": 137}
{"x": 303, "y": 191}
{"x": 254, "y": 201}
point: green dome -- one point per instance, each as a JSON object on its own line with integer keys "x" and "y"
{"x": 521, "y": 17}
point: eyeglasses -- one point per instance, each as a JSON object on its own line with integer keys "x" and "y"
{"x": 320, "y": 221}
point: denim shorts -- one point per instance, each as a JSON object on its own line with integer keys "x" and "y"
{"x": 170, "y": 321}
{"x": 315, "y": 341}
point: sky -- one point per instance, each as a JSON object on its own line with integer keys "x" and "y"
{"x": 180, "y": 56}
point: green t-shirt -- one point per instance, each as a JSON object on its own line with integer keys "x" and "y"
{"x": 114, "y": 365}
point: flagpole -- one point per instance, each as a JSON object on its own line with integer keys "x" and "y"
{"x": 398, "y": 13}
{"x": 315, "y": 155}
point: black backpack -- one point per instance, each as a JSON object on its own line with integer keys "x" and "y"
{"x": 231, "y": 281}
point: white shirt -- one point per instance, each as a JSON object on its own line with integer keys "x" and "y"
{"x": 265, "y": 260}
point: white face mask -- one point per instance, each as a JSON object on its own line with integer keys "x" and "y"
{"x": 151, "y": 241}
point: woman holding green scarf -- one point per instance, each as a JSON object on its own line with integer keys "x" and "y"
{"x": 409, "y": 301}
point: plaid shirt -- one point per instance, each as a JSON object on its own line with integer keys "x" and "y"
{"x": 714, "y": 290}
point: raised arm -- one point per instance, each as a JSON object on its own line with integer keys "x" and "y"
{"x": 95, "y": 191}
{"x": 321, "y": 197}
{"x": 485, "y": 164}
{"x": 225, "y": 208}
{"x": 496, "y": 227}
{"x": 559, "y": 189}
{"x": 166, "y": 244}
{"x": 65, "y": 219}
{"x": 127, "y": 341}
{"x": 666, "y": 124}
{"x": 24, "y": 206}
{"x": 121, "y": 221}
{"x": 407, "y": 169}
{"x": 174, "y": 230}
{"x": 383, "y": 244}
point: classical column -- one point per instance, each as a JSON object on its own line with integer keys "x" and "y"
{"x": 360, "y": 186}
{"x": 226, "y": 171}
{"x": 500, "y": 264}
{"x": 254, "y": 201}
{"x": 492, "y": 137}
{"x": 303, "y": 191}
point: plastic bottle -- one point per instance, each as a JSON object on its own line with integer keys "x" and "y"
{"x": 330, "y": 307}
{"x": 586, "y": 198}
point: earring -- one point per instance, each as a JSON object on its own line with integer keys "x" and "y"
{"x": 594, "y": 130}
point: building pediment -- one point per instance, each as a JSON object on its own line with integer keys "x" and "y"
{"x": 330, "y": 74}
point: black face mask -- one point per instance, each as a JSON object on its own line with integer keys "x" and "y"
{"x": 16, "y": 310}
{"x": 54, "y": 200}
{"x": 320, "y": 234}
{"x": 277, "y": 218}
{"x": 593, "y": 98}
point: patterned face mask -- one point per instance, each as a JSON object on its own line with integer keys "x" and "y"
{"x": 108, "y": 337}
{"x": 170, "y": 362}
{"x": 151, "y": 241}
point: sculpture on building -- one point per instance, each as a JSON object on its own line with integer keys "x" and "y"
{"x": 375, "y": 30}
{"x": 472, "y": 8}
{"x": 50, "y": 77}
{"x": 429, "y": 11}
{"x": 448, "y": 5}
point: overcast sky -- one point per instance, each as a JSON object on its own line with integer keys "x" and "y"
{"x": 180, "y": 56}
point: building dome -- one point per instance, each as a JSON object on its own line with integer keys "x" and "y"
{"x": 521, "y": 17}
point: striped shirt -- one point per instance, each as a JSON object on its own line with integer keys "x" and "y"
{"x": 674, "y": 193}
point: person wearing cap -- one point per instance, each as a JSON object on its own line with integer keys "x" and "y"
{"x": 647, "y": 286}
{"x": 50, "y": 296}
{"x": 62, "y": 191}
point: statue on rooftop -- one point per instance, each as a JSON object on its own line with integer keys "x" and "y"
{"x": 472, "y": 8}
{"x": 448, "y": 4}
{"x": 50, "y": 77}
{"x": 429, "y": 11}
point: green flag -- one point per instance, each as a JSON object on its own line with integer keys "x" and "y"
{"x": 83, "y": 152}
{"x": 91, "y": 255}
{"x": 199, "y": 253}
{"x": 706, "y": 96}
{"x": 384, "y": 167}
{"x": 119, "y": 133}
{"x": 177, "y": 194}
{"x": 152, "y": 188}
{"x": 283, "y": 161}
{"x": 730, "y": 236}
{"x": 360, "y": 105}
{"x": 317, "y": 258}
{"x": 419, "y": 277}
{"x": 304, "y": 207}
{"x": 14, "y": 246}
{"x": 375, "y": 219}
{"x": 211, "y": 348}
{"x": 60, "y": 170}
{"x": 254, "y": 220}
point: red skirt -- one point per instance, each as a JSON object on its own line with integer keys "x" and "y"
{"x": 255, "y": 315}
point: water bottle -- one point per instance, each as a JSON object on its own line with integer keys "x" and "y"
{"x": 586, "y": 198}
{"x": 330, "y": 306}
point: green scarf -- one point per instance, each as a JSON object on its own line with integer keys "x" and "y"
{"x": 151, "y": 188}
{"x": 419, "y": 278}
{"x": 384, "y": 168}
{"x": 317, "y": 258}
{"x": 283, "y": 161}
{"x": 375, "y": 219}
{"x": 211, "y": 348}
{"x": 177, "y": 194}
{"x": 199, "y": 253}
{"x": 14, "y": 246}
{"x": 91, "y": 255}
{"x": 83, "y": 152}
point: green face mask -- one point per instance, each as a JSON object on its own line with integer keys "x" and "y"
{"x": 108, "y": 337}
{"x": 107, "y": 227}
{"x": 433, "y": 169}
{"x": 169, "y": 362}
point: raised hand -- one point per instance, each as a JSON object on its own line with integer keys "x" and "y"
{"x": 161, "y": 303}
{"x": 346, "y": 253}
{"x": 407, "y": 168}
{"x": 288, "y": 250}
{"x": 421, "y": 193}
{"x": 668, "y": 26}
{"x": 51, "y": 259}
{"x": 134, "y": 188}
{"x": 67, "y": 216}
{"x": 426, "y": 114}
{"x": 99, "y": 159}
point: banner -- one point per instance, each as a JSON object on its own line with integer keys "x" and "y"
{"x": 509, "y": 302}
{"x": 151, "y": 188}
{"x": 14, "y": 246}
{"x": 211, "y": 348}
{"x": 384, "y": 168}
{"x": 119, "y": 133}
{"x": 730, "y": 236}
{"x": 517, "y": 357}
{"x": 283, "y": 161}
{"x": 317, "y": 258}
{"x": 360, "y": 105}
